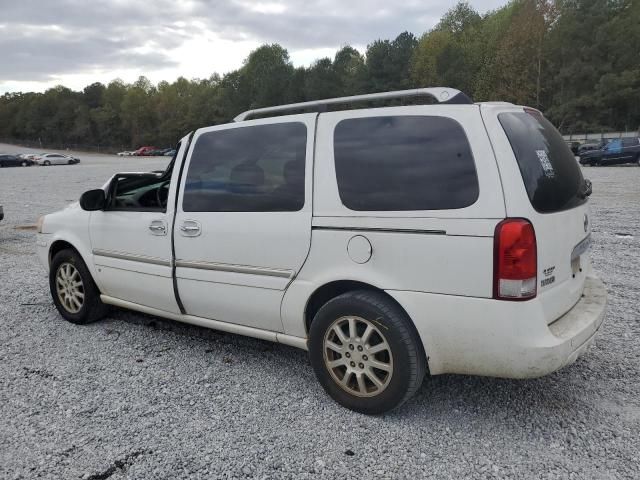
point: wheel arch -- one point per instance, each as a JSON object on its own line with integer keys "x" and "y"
{"x": 330, "y": 290}
{"x": 59, "y": 245}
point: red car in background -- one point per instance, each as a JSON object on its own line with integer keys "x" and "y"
{"x": 142, "y": 151}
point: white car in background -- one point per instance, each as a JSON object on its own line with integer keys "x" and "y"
{"x": 47, "y": 159}
{"x": 125, "y": 154}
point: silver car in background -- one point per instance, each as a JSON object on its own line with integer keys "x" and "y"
{"x": 47, "y": 159}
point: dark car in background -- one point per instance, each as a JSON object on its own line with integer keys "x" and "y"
{"x": 1, "y": 213}
{"x": 616, "y": 152}
{"x": 587, "y": 147}
{"x": 155, "y": 153}
{"x": 573, "y": 146}
{"x": 14, "y": 161}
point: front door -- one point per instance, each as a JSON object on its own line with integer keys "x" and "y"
{"x": 243, "y": 220}
{"x": 131, "y": 240}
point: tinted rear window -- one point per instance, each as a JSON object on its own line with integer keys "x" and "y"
{"x": 550, "y": 172}
{"x": 404, "y": 163}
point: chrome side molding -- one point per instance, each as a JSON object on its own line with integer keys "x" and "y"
{"x": 131, "y": 257}
{"x": 225, "y": 267}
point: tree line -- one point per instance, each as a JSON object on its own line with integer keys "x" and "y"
{"x": 576, "y": 60}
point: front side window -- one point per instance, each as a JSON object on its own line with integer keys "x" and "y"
{"x": 248, "y": 169}
{"x": 400, "y": 163}
{"x": 146, "y": 192}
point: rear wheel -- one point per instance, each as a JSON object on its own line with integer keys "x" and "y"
{"x": 24, "y": 164}
{"x": 74, "y": 292}
{"x": 365, "y": 352}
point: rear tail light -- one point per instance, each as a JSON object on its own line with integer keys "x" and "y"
{"x": 515, "y": 260}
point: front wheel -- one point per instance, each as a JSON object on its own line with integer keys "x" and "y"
{"x": 47, "y": 163}
{"x": 74, "y": 292}
{"x": 366, "y": 352}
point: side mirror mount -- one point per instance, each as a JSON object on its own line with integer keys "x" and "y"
{"x": 93, "y": 200}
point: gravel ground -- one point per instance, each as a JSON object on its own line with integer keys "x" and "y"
{"x": 139, "y": 397}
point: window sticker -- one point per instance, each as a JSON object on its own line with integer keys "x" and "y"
{"x": 546, "y": 163}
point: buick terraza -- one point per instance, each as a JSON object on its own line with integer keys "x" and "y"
{"x": 449, "y": 237}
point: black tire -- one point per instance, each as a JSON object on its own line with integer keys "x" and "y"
{"x": 24, "y": 164}
{"x": 47, "y": 163}
{"x": 92, "y": 308}
{"x": 70, "y": 162}
{"x": 409, "y": 360}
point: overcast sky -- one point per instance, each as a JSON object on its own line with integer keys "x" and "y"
{"x": 77, "y": 42}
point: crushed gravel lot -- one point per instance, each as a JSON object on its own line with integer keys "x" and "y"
{"x": 135, "y": 396}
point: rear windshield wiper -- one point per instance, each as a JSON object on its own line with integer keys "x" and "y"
{"x": 586, "y": 189}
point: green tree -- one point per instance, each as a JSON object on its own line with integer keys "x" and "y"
{"x": 388, "y": 63}
{"x": 349, "y": 66}
{"x": 448, "y": 54}
{"x": 322, "y": 81}
{"x": 138, "y": 116}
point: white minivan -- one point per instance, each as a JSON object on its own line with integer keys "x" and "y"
{"x": 449, "y": 237}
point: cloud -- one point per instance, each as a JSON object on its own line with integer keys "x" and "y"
{"x": 39, "y": 54}
{"x": 317, "y": 23}
{"x": 48, "y": 40}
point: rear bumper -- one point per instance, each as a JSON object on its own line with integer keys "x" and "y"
{"x": 503, "y": 339}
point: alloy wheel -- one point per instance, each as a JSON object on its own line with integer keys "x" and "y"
{"x": 358, "y": 356}
{"x": 70, "y": 287}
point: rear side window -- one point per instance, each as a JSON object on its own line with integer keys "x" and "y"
{"x": 551, "y": 174}
{"x": 248, "y": 169}
{"x": 399, "y": 163}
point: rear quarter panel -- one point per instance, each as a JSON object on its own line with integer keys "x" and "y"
{"x": 437, "y": 251}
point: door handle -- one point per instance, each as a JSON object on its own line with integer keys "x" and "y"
{"x": 158, "y": 228}
{"x": 190, "y": 228}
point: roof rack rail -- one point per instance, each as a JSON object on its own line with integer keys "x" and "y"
{"x": 440, "y": 94}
